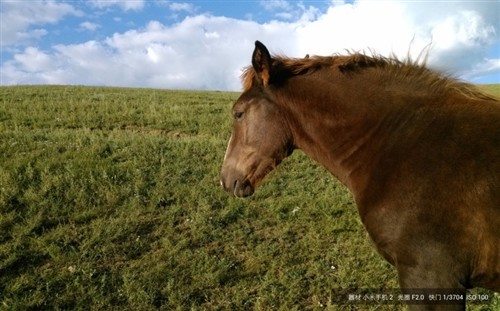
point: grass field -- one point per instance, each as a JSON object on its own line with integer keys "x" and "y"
{"x": 110, "y": 200}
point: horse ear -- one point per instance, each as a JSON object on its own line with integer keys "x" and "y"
{"x": 262, "y": 62}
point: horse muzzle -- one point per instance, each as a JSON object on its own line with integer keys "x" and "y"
{"x": 237, "y": 186}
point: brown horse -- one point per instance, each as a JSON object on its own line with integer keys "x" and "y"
{"x": 419, "y": 151}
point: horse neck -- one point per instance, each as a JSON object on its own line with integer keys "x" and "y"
{"x": 341, "y": 125}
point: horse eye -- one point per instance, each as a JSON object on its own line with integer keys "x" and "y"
{"x": 238, "y": 115}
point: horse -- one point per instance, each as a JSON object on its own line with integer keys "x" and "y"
{"x": 418, "y": 149}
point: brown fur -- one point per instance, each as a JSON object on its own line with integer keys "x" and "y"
{"x": 419, "y": 151}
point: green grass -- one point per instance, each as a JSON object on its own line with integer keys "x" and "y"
{"x": 491, "y": 88}
{"x": 110, "y": 200}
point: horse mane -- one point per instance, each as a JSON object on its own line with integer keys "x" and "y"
{"x": 354, "y": 62}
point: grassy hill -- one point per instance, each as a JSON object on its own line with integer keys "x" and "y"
{"x": 110, "y": 199}
{"x": 491, "y": 88}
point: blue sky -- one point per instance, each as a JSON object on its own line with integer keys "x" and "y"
{"x": 204, "y": 44}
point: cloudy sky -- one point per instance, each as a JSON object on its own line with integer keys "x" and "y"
{"x": 204, "y": 44}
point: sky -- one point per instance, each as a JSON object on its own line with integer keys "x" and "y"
{"x": 205, "y": 44}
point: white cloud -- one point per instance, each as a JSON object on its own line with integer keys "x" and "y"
{"x": 460, "y": 34}
{"x": 357, "y": 26}
{"x": 487, "y": 67}
{"x": 89, "y": 26}
{"x": 126, "y": 5}
{"x": 465, "y": 28}
{"x": 275, "y": 4}
{"x": 33, "y": 60}
{"x": 208, "y": 52}
{"x": 177, "y": 6}
{"x": 18, "y": 16}
{"x": 285, "y": 15}
{"x": 201, "y": 52}
{"x": 290, "y": 11}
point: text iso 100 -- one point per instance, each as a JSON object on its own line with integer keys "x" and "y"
{"x": 478, "y": 298}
